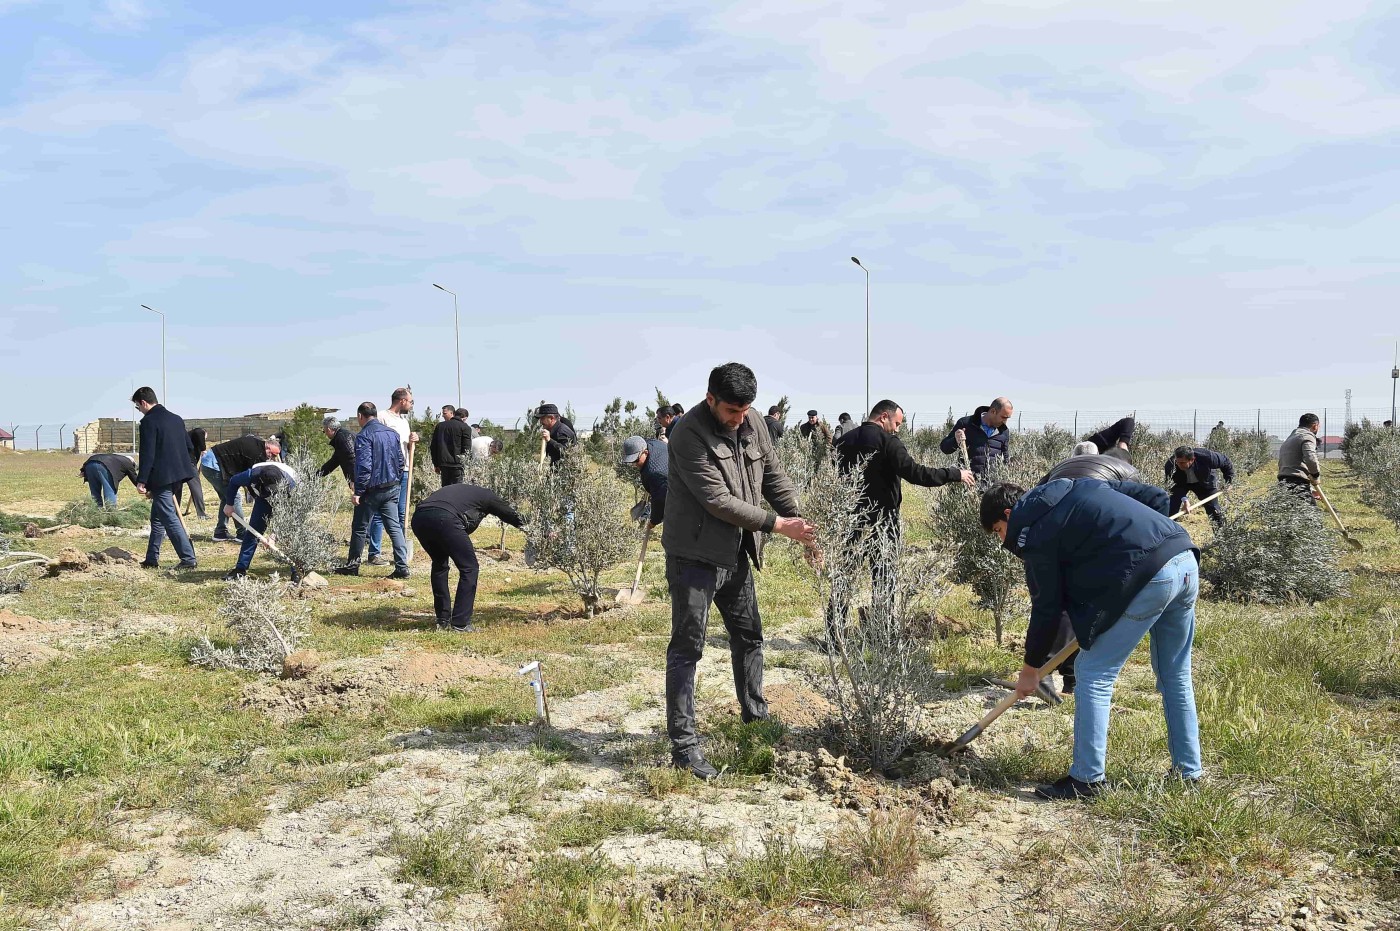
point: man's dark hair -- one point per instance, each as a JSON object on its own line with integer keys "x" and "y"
{"x": 398, "y": 395}
{"x": 883, "y": 407}
{"x": 144, "y": 394}
{"x": 773, "y": 411}
{"x": 996, "y": 501}
{"x": 733, "y": 383}
{"x": 450, "y": 409}
{"x": 367, "y": 409}
{"x": 462, "y": 413}
{"x": 843, "y": 418}
{"x": 678, "y": 408}
{"x": 267, "y": 480}
{"x": 1309, "y": 420}
{"x": 1184, "y": 452}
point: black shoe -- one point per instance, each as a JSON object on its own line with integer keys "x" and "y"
{"x": 695, "y": 761}
{"x": 234, "y": 575}
{"x": 1070, "y": 789}
{"x": 464, "y": 629}
{"x": 353, "y": 569}
{"x": 377, "y": 561}
{"x": 222, "y": 538}
{"x": 399, "y": 574}
{"x": 149, "y": 565}
{"x": 187, "y": 564}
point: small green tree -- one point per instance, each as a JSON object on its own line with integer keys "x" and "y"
{"x": 304, "y": 429}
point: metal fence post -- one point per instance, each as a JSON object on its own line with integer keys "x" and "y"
{"x": 1258, "y": 420}
{"x": 1324, "y": 433}
{"x": 1195, "y": 432}
{"x": 1076, "y": 423}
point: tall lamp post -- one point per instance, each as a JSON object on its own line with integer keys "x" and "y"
{"x": 164, "y": 385}
{"x": 1394, "y": 380}
{"x": 867, "y": 332}
{"x": 457, "y": 334}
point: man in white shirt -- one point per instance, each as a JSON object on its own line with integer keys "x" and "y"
{"x": 396, "y": 417}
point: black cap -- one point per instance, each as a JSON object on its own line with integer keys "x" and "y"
{"x": 546, "y": 410}
{"x": 811, "y": 413}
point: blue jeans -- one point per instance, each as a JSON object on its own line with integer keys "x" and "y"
{"x": 216, "y": 479}
{"x": 261, "y": 512}
{"x": 99, "y": 480}
{"x": 376, "y": 526}
{"x": 1166, "y": 606}
{"x": 165, "y": 521}
{"x": 381, "y": 504}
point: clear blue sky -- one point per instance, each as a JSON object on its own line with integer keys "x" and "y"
{"x": 1079, "y": 204}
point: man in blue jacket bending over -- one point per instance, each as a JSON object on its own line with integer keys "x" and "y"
{"x": 1106, "y": 553}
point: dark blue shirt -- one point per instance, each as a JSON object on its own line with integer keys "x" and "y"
{"x": 653, "y": 476}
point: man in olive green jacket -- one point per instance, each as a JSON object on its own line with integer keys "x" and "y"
{"x": 723, "y": 466}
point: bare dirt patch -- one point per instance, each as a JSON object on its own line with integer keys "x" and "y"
{"x": 357, "y": 685}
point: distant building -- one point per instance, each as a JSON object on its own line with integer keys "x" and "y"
{"x": 7, "y": 439}
{"x": 108, "y": 434}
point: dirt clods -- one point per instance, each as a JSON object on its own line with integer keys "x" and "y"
{"x": 300, "y": 664}
{"x": 69, "y": 559}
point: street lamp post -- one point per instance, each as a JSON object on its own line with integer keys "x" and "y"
{"x": 164, "y": 385}
{"x": 867, "y": 332}
{"x": 457, "y": 334}
{"x": 1394, "y": 380}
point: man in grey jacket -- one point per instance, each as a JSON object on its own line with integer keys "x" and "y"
{"x": 1298, "y": 469}
{"x": 722, "y": 467}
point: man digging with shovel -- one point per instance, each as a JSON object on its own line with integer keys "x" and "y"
{"x": 652, "y": 462}
{"x": 1106, "y": 553}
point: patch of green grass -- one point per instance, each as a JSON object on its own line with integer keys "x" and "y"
{"x": 660, "y": 781}
{"x": 885, "y": 845}
{"x": 84, "y": 512}
{"x": 595, "y": 822}
{"x": 550, "y": 748}
{"x": 450, "y": 858}
{"x": 355, "y": 915}
{"x": 786, "y": 874}
{"x": 744, "y": 749}
{"x": 331, "y": 782}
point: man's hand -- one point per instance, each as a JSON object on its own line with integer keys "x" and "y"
{"x": 1027, "y": 682}
{"x": 1186, "y": 505}
{"x": 267, "y": 541}
{"x": 355, "y": 498}
{"x": 228, "y": 510}
{"x": 141, "y": 489}
{"x": 795, "y": 528}
{"x": 436, "y": 470}
{"x": 960, "y": 435}
{"x": 413, "y": 437}
{"x": 968, "y": 478}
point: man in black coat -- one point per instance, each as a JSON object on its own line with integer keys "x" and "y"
{"x": 985, "y": 433}
{"x": 342, "y": 451}
{"x": 104, "y": 472}
{"x": 450, "y": 446}
{"x": 165, "y": 465}
{"x": 560, "y": 430}
{"x": 1192, "y": 471}
{"x": 774, "y": 423}
{"x": 888, "y": 461}
{"x": 443, "y": 522}
{"x": 230, "y": 458}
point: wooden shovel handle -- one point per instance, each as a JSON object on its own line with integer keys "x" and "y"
{"x": 1333, "y": 511}
{"x": 260, "y": 538}
{"x": 1054, "y": 662}
{"x": 1183, "y": 512}
{"x": 636, "y": 582}
{"x": 962, "y": 448}
{"x": 544, "y": 445}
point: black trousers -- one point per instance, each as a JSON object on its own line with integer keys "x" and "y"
{"x": 441, "y": 533}
{"x": 196, "y": 494}
{"x": 1062, "y": 636}
{"x": 694, "y": 587}
{"x": 451, "y": 475}
{"x": 1200, "y": 490}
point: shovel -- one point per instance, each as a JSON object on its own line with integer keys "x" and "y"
{"x": 544, "y": 445}
{"x": 1346, "y": 534}
{"x": 633, "y": 596}
{"x": 972, "y": 732}
{"x": 962, "y": 448}
{"x": 312, "y": 579}
{"x": 1183, "y": 512}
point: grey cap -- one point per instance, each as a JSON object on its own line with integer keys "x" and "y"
{"x": 632, "y": 448}
{"x": 330, "y": 423}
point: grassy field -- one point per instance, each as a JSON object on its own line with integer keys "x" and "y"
{"x": 403, "y": 785}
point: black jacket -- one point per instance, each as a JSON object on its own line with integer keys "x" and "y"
{"x": 1104, "y": 467}
{"x": 655, "y": 473}
{"x": 888, "y": 463}
{"x": 198, "y": 445}
{"x": 981, "y": 449}
{"x": 342, "y": 454}
{"x": 562, "y": 435}
{"x": 165, "y": 449}
{"x": 1203, "y": 470}
{"x": 451, "y": 443}
{"x": 119, "y": 467}
{"x": 1089, "y": 548}
{"x": 239, "y": 455}
{"x": 775, "y": 428}
{"x": 470, "y": 503}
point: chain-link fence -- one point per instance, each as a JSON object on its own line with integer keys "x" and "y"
{"x": 118, "y": 436}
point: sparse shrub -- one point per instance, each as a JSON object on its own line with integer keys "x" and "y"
{"x": 801, "y": 456}
{"x": 84, "y": 512}
{"x": 579, "y": 523}
{"x": 880, "y": 672}
{"x": 513, "y": 475}
{"x": 886, "y": 844}
{"x": 619, "y": 421}
{"x": 1374, "y": 455}
{"x": 1273, "y": 548}
{"x": 978, "y": 559}
{"x": 266, "y": 628}
{"x": 787, "y": 873}
{"x": 1247, "y": 449}
{"x": 1151, "y": 449}
{"x": 1037, "y": 450}
{"x": 450, "y": 858}
{"x": 303, "y": 514}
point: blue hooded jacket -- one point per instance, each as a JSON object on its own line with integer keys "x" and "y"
{"x": 1089, "y": 547}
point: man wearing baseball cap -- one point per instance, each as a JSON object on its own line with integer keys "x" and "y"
{"x": 650, "y": 459}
